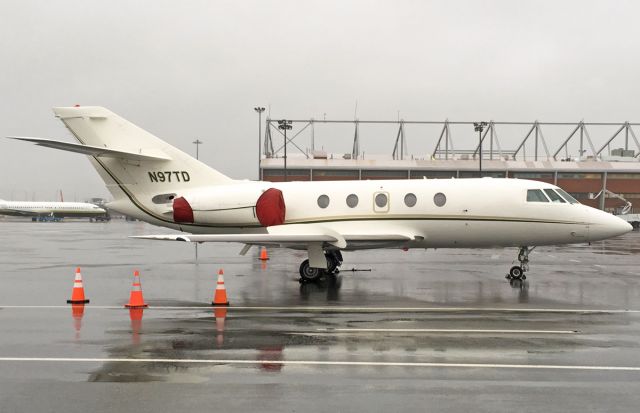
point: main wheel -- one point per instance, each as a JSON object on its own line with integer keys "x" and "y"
{"x": 332, "y": 264}
{"x": 516, "y": 273}
{"x": 309, "y": 273}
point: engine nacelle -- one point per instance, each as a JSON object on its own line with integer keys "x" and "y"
{"x": 230, "y": 206}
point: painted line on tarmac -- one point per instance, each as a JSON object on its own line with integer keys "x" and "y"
{"x": 337, "y": 309}
{"x": 319, "y": 363}
{"x": 441, "y": 330}
{"x": 341, "y": 309}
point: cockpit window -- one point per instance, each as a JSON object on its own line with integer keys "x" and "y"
{"x": 554, "y": 196}
{"x": 566, "y": 196}
{"x": 536, "y": 195}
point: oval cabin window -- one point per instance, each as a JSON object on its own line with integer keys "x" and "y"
{"x": 352, "y": 201}
{"x": 323, "y": 201}
{"x": 410, "y": 200}
{"x": 381, "y": 200}
{"x": 439, "y": 199}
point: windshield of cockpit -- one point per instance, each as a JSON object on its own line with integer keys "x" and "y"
{"x": 555, "y": 195}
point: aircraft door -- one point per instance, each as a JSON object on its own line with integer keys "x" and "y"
{"x": 381, "y": 202}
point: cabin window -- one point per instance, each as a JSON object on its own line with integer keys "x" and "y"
{"x": 439, "y": 199}
{"x": 536, "y": 195}
{"x": 352, "y": 201}
{"x": 566, "y": 196}
{"x": 323, "y": 201}
{"x": 381, "y": 200}
{"x": 554, "y": 196}
{"x": 410, "y": 200}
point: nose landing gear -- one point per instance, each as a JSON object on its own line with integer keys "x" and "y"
{"x": 517, "y": 272}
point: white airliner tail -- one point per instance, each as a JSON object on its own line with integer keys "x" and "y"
{"x": 135, "y": 165}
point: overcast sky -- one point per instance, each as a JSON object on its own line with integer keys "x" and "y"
{"x": 196, "y": 69}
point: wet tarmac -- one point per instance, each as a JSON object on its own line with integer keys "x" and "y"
{"x": 422, "y": 331}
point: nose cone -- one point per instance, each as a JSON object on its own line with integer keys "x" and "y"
{"x": 603, "y": 225}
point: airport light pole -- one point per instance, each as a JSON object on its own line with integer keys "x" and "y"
{"x": 259, "y": 109}
{"x": 285, "y": 125}
{"x": 479, "y": 127}
{"x": 197, "y": 142}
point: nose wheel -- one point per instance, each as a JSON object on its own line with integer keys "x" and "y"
{"x": 517, "y": 272}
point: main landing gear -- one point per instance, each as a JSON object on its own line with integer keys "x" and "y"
{"x": 310, "y": 274}
{"x": 517, "y": 272}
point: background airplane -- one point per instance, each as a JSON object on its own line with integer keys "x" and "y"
{"x": 39, "y": 209}
{"x": 155, "y": 182}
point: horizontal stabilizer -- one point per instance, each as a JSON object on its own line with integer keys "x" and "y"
{"x": 142, "y": 155}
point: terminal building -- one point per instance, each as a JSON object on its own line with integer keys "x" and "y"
{"x": 607, "y": 178}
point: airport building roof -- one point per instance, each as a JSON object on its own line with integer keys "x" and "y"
{"x": 298, "y": 162}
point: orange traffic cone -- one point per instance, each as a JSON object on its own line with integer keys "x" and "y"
{"x": 263, "y": 254}
{"x": 135, "y": 299}
{"x": 220, "y": 296}
{"x": 77, "y": 295}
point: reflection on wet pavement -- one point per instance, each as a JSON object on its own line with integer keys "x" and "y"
{"x": 444, "y": 306}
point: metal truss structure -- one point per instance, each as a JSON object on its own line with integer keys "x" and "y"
{"x": 444, "y": 148}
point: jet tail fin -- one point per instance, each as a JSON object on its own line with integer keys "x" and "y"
{"x": 141, "y": 171}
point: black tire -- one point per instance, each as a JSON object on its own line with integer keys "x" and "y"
{"x": 308, "y": 273}
{"x": 332, "y": 264}
{"x": 516, "y": 273}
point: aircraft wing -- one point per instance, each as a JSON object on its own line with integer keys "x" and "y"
{"x": 147, "y": 154}
{"x": 244, "y": 238}
{"x": 19, "y": 213}
{"x": 291, "y": 236}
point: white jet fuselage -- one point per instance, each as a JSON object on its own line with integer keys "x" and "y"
{"x": 486, "y": 212}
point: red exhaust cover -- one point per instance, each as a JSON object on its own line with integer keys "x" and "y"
{"x": 182, "y": 211}
{"x": 270, "y": 208}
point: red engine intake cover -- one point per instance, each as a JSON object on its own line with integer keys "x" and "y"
{"x": 270, "y": 208}
{"x": 182, "y": 211}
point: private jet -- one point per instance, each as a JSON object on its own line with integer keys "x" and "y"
{"x": 157, "y": 183}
